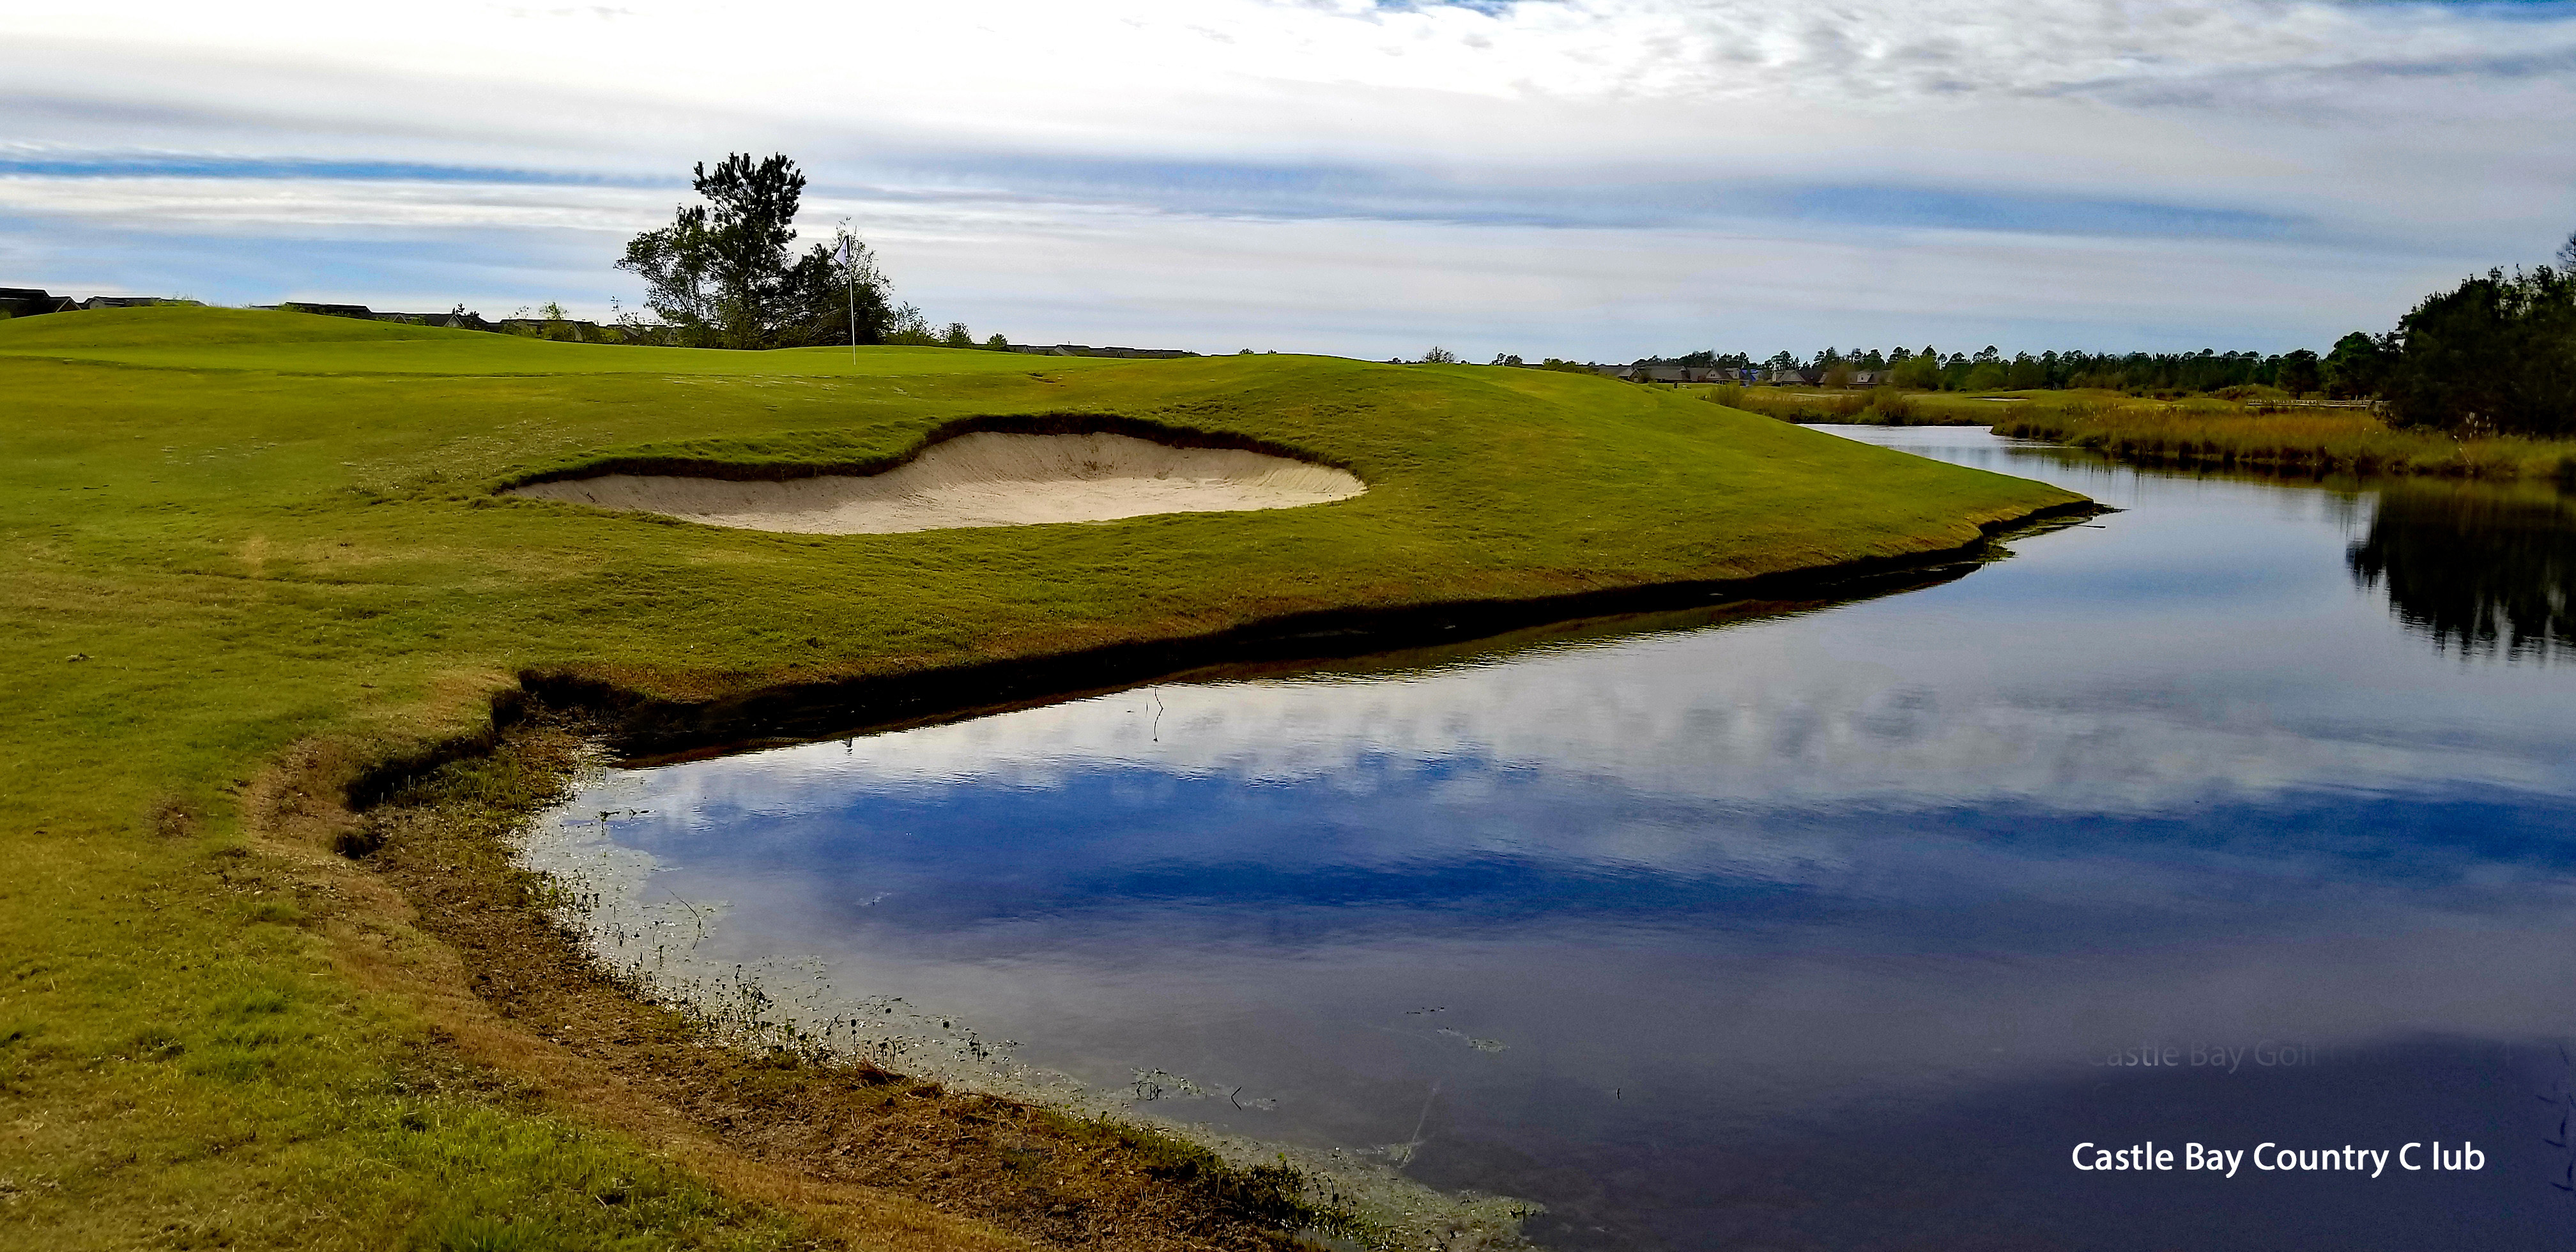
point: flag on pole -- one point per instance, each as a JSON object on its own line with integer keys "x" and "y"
{"x": 853, "y": 276}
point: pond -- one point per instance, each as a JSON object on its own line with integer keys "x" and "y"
{"x": 2239, "y": 817}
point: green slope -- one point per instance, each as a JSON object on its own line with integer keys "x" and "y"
{"x": 265, "y": 530}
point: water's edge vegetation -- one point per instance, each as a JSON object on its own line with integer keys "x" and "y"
{"x": 2259, "y": 433}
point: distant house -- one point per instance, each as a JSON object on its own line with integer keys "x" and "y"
{"x": 135, "y": 302}
{"x": 1670, "y": 373}
{"x": 449, "y": 321}
{"x": 31, "y": 301}
{"x": 1873, "y": 378}
{"x": 358, "y": 311}
{"x": 569, "y": 330}
{"x": 1791, "y": 377}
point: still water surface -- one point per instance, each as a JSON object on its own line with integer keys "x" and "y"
{"x": 1838, "y": 927}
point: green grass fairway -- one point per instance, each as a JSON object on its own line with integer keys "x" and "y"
{"x": 234, "y": 537}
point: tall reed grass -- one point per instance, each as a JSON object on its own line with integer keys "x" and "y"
{"x": 1879, "y": 406}
{"x": 2211, "y": 431}
{"x": 2254, "y": 428}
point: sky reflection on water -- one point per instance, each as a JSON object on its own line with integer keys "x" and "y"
{"x": 1805, "y": 931}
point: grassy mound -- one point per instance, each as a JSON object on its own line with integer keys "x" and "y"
{"x": 249, "y": 555}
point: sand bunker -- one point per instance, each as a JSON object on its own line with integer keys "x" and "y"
{"x": 981, "y": 479}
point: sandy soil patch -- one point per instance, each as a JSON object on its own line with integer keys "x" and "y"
{"x": 981, "y": 479}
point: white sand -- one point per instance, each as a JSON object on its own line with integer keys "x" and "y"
{"x": 982, "y": 479}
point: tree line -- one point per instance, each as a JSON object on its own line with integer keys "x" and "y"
{"x": 1987, "y": 369}
{"x": 2497, "y": 355}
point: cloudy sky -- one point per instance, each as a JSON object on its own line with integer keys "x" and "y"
{"x": 1585, "y": 178}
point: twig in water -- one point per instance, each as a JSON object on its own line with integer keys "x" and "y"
{"x": 1416, "y": 1140}
{"x": 693, "y": 912}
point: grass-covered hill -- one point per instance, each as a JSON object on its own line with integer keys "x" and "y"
{"x": 249, "y": 554}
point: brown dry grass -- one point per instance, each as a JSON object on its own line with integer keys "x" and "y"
{"x": 2295, "y": 439}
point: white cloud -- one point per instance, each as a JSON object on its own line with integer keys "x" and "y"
{"x": 1963, "y": 169}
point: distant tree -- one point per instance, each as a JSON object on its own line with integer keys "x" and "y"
{"x": 2355, "y": 365}
{"x": 1922, "y": 369}
{"x": 997, "y": 344}
{"x": 1439, "y": 356}
{"x": 2298, "y": 372}
{"x": 2026, "y": 373}
{"x": 957, "y": 336}
{"x": 905, "y": 325}
{"x": 1505, "y": 358}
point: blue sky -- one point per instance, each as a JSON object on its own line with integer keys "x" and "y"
{"x": 1589, "y": 178}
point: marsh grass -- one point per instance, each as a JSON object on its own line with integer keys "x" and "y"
{"x": 2270, "y": 434}
{"x": 1878, "y": 406}
{"x": 2250, "y": 428}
